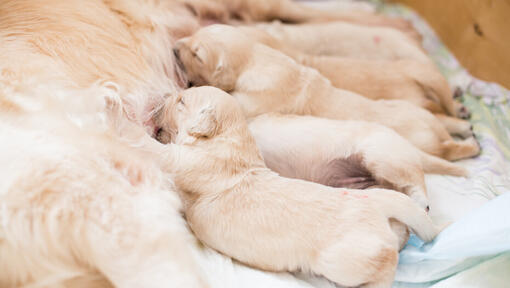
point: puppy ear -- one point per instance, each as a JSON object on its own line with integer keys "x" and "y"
{"x": 203, "y": 124}
{"x": 220, "y": 64}
{"x": 200, "y": 54}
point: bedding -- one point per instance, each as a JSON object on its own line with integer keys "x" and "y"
{"x": 474, "y": 251}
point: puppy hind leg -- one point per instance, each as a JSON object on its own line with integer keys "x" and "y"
{"x": 432, "y": 106}
{"x": 455, "y": 126}
{"x": 361, "y": 260}
{"x": 402, "y": 170}
{"x": 462, "y": 111}
{"x": 400, "y": 229}
{"x": 456, "y": 150}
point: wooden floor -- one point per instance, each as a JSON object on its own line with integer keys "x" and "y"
{"x": 476, "y": 31}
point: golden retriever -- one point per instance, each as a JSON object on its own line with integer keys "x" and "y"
{"x": 347, "y": 40}
{"x": 352, "y": 154}
{"x": 248, "y": 11}
{"x": 415, "y": 81}
{"x": 80, "y": 208}
{"x": 102, "y": 212}
{"x": 265, "y": 80}
{"x": 236, "y": 205}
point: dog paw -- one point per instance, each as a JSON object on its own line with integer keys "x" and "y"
{"x": 475, "y": 143}
{"x": 463, "y": 112}
{"x": 457, "y": 94}
{"x": 418, "y": 195}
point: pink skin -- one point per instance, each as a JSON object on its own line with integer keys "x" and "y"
{"x": 151, "y": 127}
{"x": 345, "y": 193}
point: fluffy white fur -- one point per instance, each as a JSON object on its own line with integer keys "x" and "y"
{"x": 80, "y": 208}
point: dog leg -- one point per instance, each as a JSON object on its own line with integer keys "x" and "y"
{"x": 462, "y": 111}
{"x": 350, "y": 263}
{"x": 400, "y": 229}
{"x": 432, "y": 106}
{"x": 455, "y": 126}
{"x": 402, "y": 170}
{"x": 456, "y": 150}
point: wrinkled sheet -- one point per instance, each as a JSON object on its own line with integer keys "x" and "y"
{"x": 474, "y": 251}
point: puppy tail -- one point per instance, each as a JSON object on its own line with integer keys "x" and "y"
{"x": 435, "y": 165}
{"x": 402, "y": 208}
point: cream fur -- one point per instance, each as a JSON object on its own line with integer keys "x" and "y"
{"x": 265, "y": 80}
{"x": 230, "y": 11}
{"x": 239, "y": 207}
{"x": 301, "y": 146}
{"x": 347, "y": 40}
{"x": 79, "y": 208}
{"x": 80, "y": 43}
{"x": 415, "y": 81}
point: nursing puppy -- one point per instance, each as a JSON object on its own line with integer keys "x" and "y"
{"x": 415, "y": 81}
{"x": 79, "y": 208}
{"x": 289, "y": 12}
{"x": 352, "y": 154}
{"x": 347, "y": 40}
{"x": 265, "y": 80}
{"x": 229, "y": 196}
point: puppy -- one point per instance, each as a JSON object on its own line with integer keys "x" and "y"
{"x": 347, "y": 40}
{"x": 289, "y": 12}
{"x": 265, "y": 80}
{"x": 352, "y": 154}
{"x": 79, "y": 208}
{"x": 229, "y": 196}
{"x": 415, "y": 81}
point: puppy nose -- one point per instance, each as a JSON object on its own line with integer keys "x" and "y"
{"x": 176, "y": 52}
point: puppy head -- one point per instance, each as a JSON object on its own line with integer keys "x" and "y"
{"x": 199, "y": 113}
{"x": 213, "y": 56}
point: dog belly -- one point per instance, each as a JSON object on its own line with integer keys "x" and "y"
{"x": 349, "y": 172}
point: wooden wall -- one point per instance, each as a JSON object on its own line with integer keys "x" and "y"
{"x": 476, "y": 31}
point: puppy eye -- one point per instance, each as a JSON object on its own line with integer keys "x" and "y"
{"x": 181, "y": 101}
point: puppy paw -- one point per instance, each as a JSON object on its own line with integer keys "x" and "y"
{"x": 473, "y": 142}
{"x": 457, "y": 94}
{"x": 466, "y": 131}
{"x": 418, "y": 195}
{"x": 462, "y": 111}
